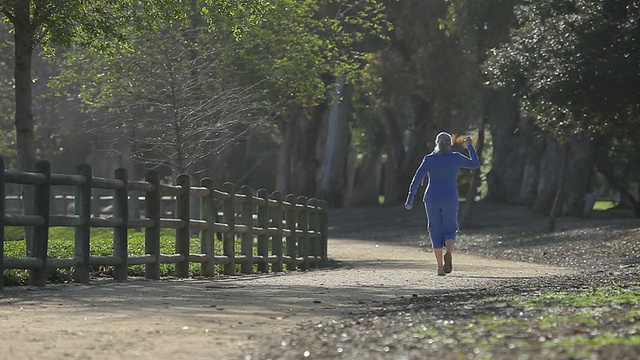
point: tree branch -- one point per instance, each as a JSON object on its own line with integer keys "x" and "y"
{"x": 9, "y": 16}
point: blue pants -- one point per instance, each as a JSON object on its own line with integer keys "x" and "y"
{"x": 442, "y": 221}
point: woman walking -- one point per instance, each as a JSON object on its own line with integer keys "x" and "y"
{"x": 441, "y": 196}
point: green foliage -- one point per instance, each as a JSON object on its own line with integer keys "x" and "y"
{"x": 367, "y": 134}
{"x": 102, "y": 25}
{"x": 247, "y": 13}
{"x": 169, "y": 95}
{"x": 480, "y": 24}
{"x": 574, "y": 63}
{"x": 169, "y": 80}
{"x": 300, "y": 45}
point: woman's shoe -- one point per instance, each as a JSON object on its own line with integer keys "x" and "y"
{"x": 441, "y": 271}
{"x": 448, "y": 263}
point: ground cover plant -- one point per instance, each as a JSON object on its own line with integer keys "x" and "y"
{"x": 61, "y": 245}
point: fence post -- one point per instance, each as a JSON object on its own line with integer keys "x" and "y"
{"x": 324, "y": 227}
{"x": 276, "y": 239}
{"x": 303, "y": 225}
{"x": 229, "y": 237}
{"x": 40, "y": 244}
{"x": 152, "y": 234}
{"x": 290, "y": 242}
{"x": 82, "y": 233}
{"x": 318, "y": 226}
{"x": 120, "y": 233}
{"x": 183, "y": 234}
{"x": 2, "y": 190}
{"x": 134, "y": 201}
{"x": 314, "y": 239}
{"x": 246, "y": 216}
{"x": 207, "y": 237}
{"x": 263, "y": 222}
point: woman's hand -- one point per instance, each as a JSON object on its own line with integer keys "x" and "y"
{"x": 467, "y": 140}
{"x": 408, "y": 205}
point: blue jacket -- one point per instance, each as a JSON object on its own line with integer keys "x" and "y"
{"x": 443, "y": 174}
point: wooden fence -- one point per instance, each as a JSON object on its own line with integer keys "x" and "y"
{"x": 294, "y": 228}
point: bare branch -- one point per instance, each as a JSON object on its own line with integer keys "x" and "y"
{"x": 9, "y": 16}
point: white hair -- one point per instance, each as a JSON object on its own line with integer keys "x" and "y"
{"x": 443, "y": 142}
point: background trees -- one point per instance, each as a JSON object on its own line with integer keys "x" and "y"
{"x": 169, "y": 101}
{"x": 573, "y": 66}
{"x": 334, "y": 98}
{"x": 46, "y": 23}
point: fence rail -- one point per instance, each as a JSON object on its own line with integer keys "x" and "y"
{"x": 293, "y": 227}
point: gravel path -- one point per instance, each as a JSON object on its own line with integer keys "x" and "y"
{"x": 382, "y": 300}
{"x": 226, "y": 316}
{"x": 491, "y": 319}
{"x": 476, "y": 323}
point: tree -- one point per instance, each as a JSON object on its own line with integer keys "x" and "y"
{"x": 481, "y": 26}
{"x": 573, "y": 65}
{"x": 166, "y": 101}
{"x": 62, "y": 23}
{"x": 7, "y": 139}
{"x": 358, "y": 20}
{"x": 418, "y": 83}
{"x": 619, "y": 162}
{"x": 298, "y": 54}
{"x": 99, "y": 24}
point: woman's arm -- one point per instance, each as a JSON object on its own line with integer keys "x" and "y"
{"x": 415, "y": 182}
{"x": 470, "y": 163}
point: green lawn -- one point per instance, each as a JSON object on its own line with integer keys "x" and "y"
{"x": 61, "y": 245}
{"x": 603, "y": 205}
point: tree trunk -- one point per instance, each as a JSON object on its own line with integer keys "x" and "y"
{"x": 23, "y": 47}
{"x": 22, "y": 72}
{"x": 303, "y": 156}
{"x": 506, "y": 163}
{"x": 531, "y": 173}
{"x": 606, "y": 167}
{"x": 365, "y": 189}
{"x": 332, "y": 180}
{"x": 401, "y": 162}
{"x": 421, "y": 141}
{"x": 530, "y": 176}
{"x": 578, "y": 175}
{"x": 555, "y": 209}
{"x": 548, "y": 183}
{"x": 470, "y": 199}
{"x": 283, "y": 174}
{"x": 297, "y": 162}
{"x": 395, "y": 157}
{"x": 352, "y": 167}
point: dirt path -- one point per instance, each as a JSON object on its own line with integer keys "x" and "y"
{"x": 218, "y": 318}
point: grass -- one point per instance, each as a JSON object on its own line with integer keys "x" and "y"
{"x": 603, "y": 205}
{"x": 597, "y": 296}
{"x": 61, "y": 245}
{"x": 598, "y": 341}
{"x": 573, "y": 323}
